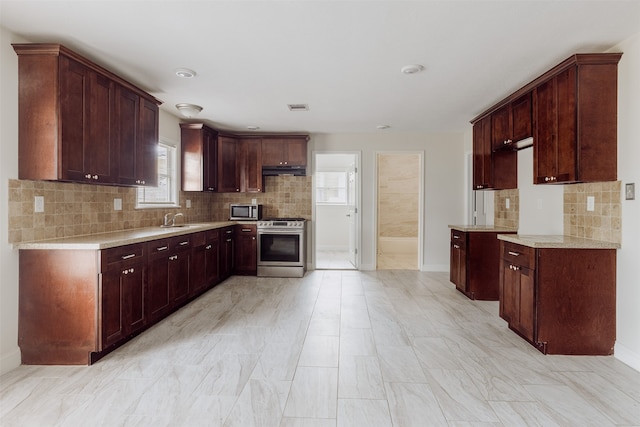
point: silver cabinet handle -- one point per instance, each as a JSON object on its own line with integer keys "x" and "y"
{"x": 162, "y": 248}
{"x": 456, "y": 246}
{"x": 128, "y": 256}
{"x": 208, "y": 247}
{"x": 514, "y": 253}
{"x": 229, "y": 231}
{"x": 184, "y": 243}
{"x": 456, "y": 237}
{"x": 246, "y": 230}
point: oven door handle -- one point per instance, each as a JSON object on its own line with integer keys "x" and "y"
{"x": 279, "y": 231}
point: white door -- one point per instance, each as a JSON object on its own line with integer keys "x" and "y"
{"x": 352, "y": 212}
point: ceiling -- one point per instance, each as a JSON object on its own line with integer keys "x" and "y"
{"x": 342, "y": 58}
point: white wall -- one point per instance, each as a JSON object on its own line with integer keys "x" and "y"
{"x": 444, "y": 195}
{"x": 9, "y": 351}
{"x": 628, "y": 287}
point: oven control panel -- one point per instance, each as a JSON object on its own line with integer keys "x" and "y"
{"x": 274, "y": 223}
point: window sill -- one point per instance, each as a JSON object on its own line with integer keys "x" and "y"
{"x": 158, "y": 206}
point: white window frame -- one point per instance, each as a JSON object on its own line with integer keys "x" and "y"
{"x": 174, "y": 181}
{"x": 346, "y": 189}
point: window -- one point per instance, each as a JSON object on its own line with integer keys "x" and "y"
{"x": 331, "y": 188}
{"x": 166, "y": 193}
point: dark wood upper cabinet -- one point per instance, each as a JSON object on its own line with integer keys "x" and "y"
{"x": 512, "y": 123}
{"x": 571, "y": 112}
{"x": 228, "y": 174}
{"x": 496, "y": 170}
{"x": 575, "y": 130}
{"x": 80, "y": 122}
{"x": 250, "y": 165}
{"x": 199, "y": 157}
{"x": 280, "y": 151}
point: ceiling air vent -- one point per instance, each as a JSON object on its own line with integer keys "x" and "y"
{"x": 298, "y": 107}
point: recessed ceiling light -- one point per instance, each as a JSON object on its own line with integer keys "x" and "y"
{"x": 252, "y": 127}
{"x": 298, "y": 107}
{"x": 412, "y": 69}
{"x": 382, "y": 127}
{"x": 185, "y": 73}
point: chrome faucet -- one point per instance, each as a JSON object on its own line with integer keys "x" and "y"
{"x": 170, "y": 219}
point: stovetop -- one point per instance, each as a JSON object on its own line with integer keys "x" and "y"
{"x": 281, "y": 222}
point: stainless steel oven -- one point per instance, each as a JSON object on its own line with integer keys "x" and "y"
{"x": 281, "y": 247}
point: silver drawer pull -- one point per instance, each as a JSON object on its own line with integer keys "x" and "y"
{"x": 128, "y": 256}
{"x": 456, "y": 237}
{"x": 184, "y": 243}
{"x": 162, "y": 248}
{"x": 456, "y": 246}
{"x": 246, "y": 230}
{"x": 229, "y": 231}
{"x": 514, "y": 253}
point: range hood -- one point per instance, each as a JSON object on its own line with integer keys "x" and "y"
{"x": 284, "y": 170}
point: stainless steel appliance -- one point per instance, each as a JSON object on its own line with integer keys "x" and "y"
{"x": 245, "y": 212}
{"x": 281, "y": 247}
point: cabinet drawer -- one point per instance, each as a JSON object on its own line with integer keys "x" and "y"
{"x": 247, "y": 229}
{"x": 458, "y": 239}
{"x": 180, "y": 242}
{"x": 122, "y": 255}
{"x": 158, "y": 247}
{"x": 198, "y": 239}
{"x": 213, "y": 235}
{"x": 519, "y": 255}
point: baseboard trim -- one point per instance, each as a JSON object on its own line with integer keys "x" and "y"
{"x": 10, "y": 361}
{"x": 627, "y": 356}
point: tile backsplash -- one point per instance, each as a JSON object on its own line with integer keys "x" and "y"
{"x": 78, "y": 209}
{"x": 504, "y": 217}
{"x": 604, "y": 222}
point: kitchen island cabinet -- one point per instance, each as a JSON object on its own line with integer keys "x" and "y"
{"x": 559, "y": 293}
{"x": 475, "y": 260}
{"x": 78, "y": 121}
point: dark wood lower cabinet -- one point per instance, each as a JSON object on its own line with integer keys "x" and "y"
{"x": 75, "y": 306}
{"x": 246, "y": 250}
{"x": 475, "y": 263}
{"x": 562, "y": 301}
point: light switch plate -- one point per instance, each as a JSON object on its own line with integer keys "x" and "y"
{"x": 117, "y": 204}
{"x": 188, "y": 203}
{"x": 591, "y": 203}
{"x": 507, "y": 203}
{"x": 630, "y": 191}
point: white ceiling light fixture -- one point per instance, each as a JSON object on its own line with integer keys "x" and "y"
{"x": 189, "y": 110}
{"x": 383, "y": 127}
{"x": 185, "y": 73}
{"x": 253, "y": 127}
{"x": 412, "y": 69}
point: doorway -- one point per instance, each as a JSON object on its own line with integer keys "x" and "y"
{"x": 336, "y": 211}
{"x": 399, "y": 209}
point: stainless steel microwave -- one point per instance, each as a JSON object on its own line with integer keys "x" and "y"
{"x": 245, "y": 212}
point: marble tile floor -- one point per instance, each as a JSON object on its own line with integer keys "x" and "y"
{"x": 329, "y": 259}
{"x": 333, "y": 349}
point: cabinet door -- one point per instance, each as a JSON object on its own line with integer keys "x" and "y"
{"x": 210, "y": 158}
{"x": 158, "y": 280}
{"x": 509, "y": 290}
{"x": 127, "y": 116}
{"x": 86, "y": 103}
{"x": 147, "y": 145}
{"x": 249, "y": 165}
{"x": 226, "y": 252}
{"x": 212, "y": 260}
{"x": 246, "y": 250}
{"x": 228, "y": 178}
{"x": 296, "y": 152}
{"x": 179, "y": 277}
{"x": 526, "y": 303}
{"x": 521, "y": 118}
{"x": 501, "y": 127}
{"x": 554, "y": 155}
{"x": 122, "y": 302}
{"x": 482, "y": 167}
{"x": 198, "y": 279}
{"x": 272, "y": 152}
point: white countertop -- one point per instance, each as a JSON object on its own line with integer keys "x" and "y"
{"x": 557, "y": 241}
{"x": 120, "y": 238}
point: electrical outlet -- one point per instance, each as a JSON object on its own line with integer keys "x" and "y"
{"x": 117, "y": 204}
{"x": 507, "y": 203}
{"x": 38, "y": 204}
{"x": 188, "y": 203}
{"x": 591, "y": 203}
{"x": 254, "y": 201}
